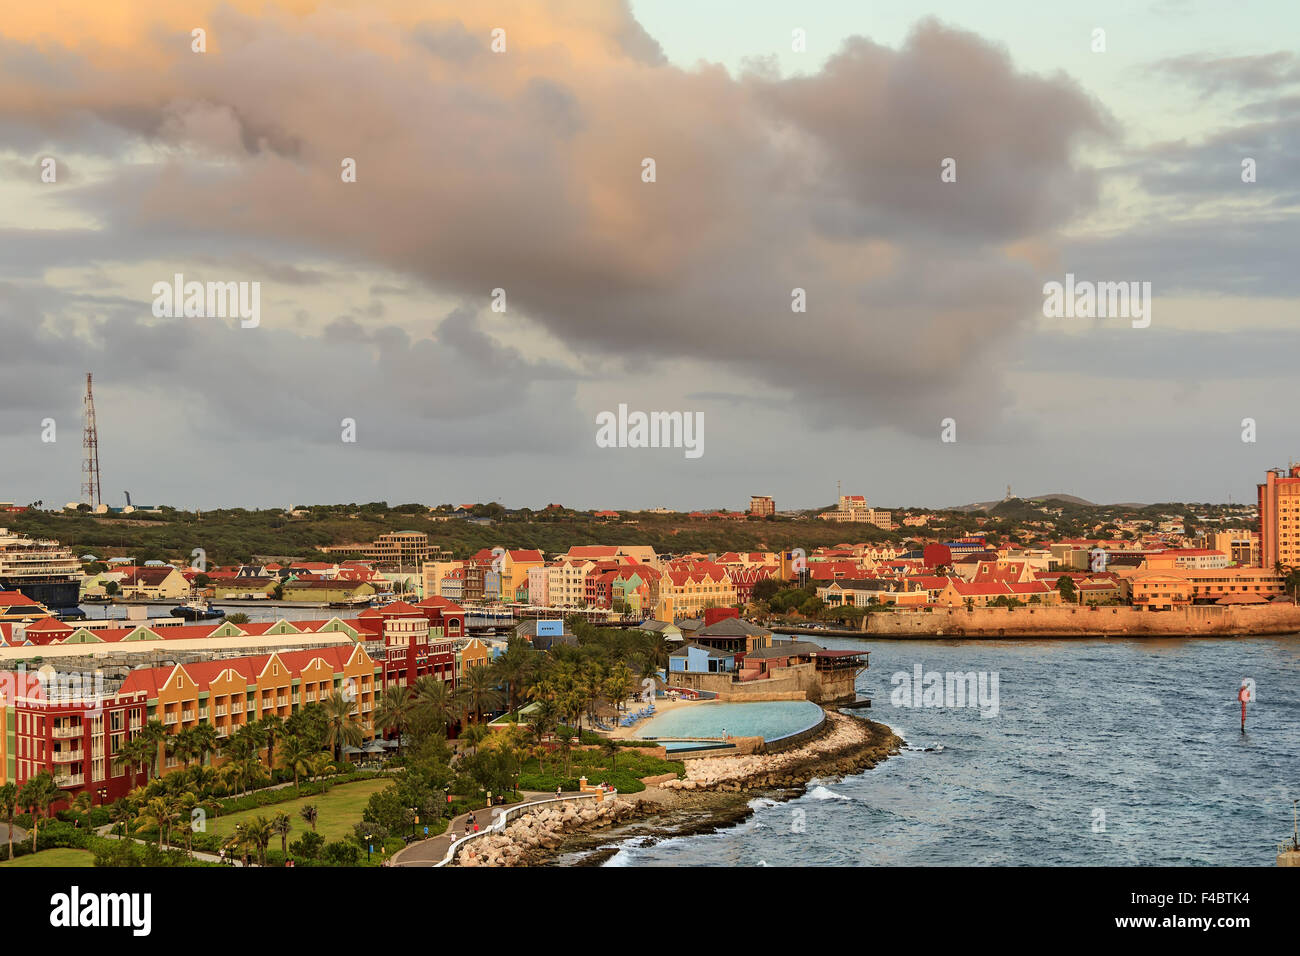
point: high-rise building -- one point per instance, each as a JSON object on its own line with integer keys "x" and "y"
{"x": 1279, "y": 518}
{"x": 760, "y": 506}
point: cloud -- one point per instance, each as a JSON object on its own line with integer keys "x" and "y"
{"x": 522, "y": 171}
{"x": 1233, "y": 74}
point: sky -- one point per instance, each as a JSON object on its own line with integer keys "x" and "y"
{"x": 449, "y": 326}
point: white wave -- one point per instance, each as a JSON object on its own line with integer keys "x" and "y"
{"x": 821, "y": 793}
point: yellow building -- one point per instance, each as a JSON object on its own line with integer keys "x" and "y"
{"x": 686, "y": 593}
{"x": 515, "y": 566}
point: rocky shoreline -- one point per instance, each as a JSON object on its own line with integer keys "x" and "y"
{"x": 715, "y": 793}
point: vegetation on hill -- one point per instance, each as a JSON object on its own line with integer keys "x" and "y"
{"x": 236, "y": 535}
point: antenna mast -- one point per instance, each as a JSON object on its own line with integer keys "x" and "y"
{"x": 90, "y": 442}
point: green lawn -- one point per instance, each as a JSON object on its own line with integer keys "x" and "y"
{"x": 597, "y": 767}
{"x": 339, "y": 808}
{"x": 59, "y": 856}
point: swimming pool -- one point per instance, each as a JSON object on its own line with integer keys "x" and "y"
{"x": 770, "y": 720}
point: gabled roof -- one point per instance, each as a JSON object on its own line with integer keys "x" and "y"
{"x": 732, "y": 627}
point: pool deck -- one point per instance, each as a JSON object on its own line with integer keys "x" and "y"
{"x": 662, "y": 706}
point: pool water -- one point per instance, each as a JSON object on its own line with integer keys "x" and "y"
{"x": 767, "y": 719}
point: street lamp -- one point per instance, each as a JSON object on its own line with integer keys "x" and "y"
{"x": 369, "y": 847}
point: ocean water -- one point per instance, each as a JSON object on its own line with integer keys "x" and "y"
{"x": 1101, "y": 752}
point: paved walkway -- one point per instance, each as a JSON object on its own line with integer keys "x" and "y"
{"x": 431, "y": 851}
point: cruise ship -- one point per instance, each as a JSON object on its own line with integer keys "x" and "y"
{"x": 44, "y": 571}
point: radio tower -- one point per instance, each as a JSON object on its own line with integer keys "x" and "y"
{"x": 90, "y": 442}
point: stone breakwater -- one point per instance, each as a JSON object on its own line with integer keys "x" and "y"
{"x": 848, "y": 745}
{"x": 540, "y": 831}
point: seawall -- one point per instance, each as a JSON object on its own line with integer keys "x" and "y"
{"x": 1087, "y": 621}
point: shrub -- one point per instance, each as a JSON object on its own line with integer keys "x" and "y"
{"x": 307, "y": 847}
{"x": 341, "y": 853}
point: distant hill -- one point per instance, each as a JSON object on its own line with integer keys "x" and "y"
{"x": 1055, "y": 496}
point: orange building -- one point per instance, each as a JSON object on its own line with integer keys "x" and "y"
{"x": 1159, "y": 591}
{"x": 1279, "y": 519}
{"x": 231, "y": 693}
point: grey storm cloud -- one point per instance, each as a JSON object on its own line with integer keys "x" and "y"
{"x": 477, "y": 172}
{"x": 238, "y": 386}
{"x": 1236, "y": 74}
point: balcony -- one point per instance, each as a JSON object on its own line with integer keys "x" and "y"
{"x": 64, "y": 731}
{"x": 70, "y": 780}
{"x": 68, "y": 756}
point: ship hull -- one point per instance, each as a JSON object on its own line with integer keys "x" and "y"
{"x": 56, "y": 595}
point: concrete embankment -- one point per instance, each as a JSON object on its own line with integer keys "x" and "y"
{"x": 846, "y": 745}
{"x": 1087, "y": 621}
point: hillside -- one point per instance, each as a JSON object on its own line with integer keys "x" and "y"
{"x": 235, "y": 536}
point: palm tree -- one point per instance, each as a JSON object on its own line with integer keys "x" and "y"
{"x": 295, "y": 756}
{"x": 566, "y": 735}
{"x": 202, "y": 780}
{"x": 513, "y": 667}
{"x": 281, "y": 824}
{"x": 479, "y": 691}
{"x": 9, "y": 810}
{"x": 540, "y": 724}
{"x": 254, "y": 775}
{"x": 121, "y": 813}
{"x": 272, "y": 726}
{"x": 342, "y": 726}
{"x": 155, "y": 732}
{"x": 39, "y": 794}
{"x": 249, "y": 740}
{"x": 203, "y": 741}
{"x": 135, "y": 754}
{"x": 435, "y": 698}
{"x": 394, "y": 710}
{"x": 474, "y": 735}
{"x": 618, "y": 685}
{"x": 259, "y": 832}
{"x": 610, "y": 749}
{"x": 232, "y": 776}
{"x": 180, "y": 746}
{"x": 158, "y": 813}
{"x": 239, "y": 841}
{"x": 184, "y": 804}
{"x": 309, "y": 813}
{"x": 320, "y": 763}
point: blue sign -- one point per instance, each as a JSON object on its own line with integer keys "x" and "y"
{"x": 550, "y": 628}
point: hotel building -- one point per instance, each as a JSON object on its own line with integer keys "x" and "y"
{"x": 1279, "y": 518}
